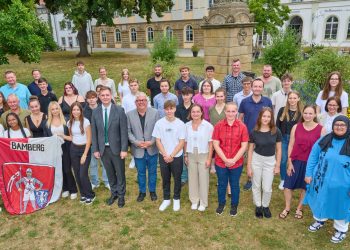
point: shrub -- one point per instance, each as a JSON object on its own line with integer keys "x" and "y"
{"x": 325, "y": 61}
{"x": 164, "y": 49}
{"x": 283, "y": 54}
{"x": 308, "y": 91}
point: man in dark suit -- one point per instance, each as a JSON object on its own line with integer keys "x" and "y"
{"x": 110, "y": 143}
{"x": 141, "y": 123}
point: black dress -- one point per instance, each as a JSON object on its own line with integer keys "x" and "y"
{"x": 37, "y": 131}
{"x": 66, "y": 108}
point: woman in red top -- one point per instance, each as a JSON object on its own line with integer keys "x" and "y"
{"x": 302, "y": 137}
{"x": 230, "y": 140}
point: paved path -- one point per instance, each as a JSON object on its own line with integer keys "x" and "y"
{"x": 180, "y": 52}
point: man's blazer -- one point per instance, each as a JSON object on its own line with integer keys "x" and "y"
{"x": 136, "y": 134}
{"x": 117, "y": 130}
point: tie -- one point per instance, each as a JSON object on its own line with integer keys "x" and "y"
{"x": 106, "y": 126}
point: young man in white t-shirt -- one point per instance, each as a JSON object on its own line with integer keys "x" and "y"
{"x": 170, "y": 139}
{"x": 279, "y": 98}
{"x": 209, "y": 75}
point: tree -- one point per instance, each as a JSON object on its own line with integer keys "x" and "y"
{"x": 269, "y": 14}
{"x": 81, "y": 11}
{"x": 22, "y": 33}
{"x": 283, "y": 53}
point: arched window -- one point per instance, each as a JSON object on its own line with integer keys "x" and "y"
{"x": 296, "y": 23}
{"x": 348, "y": 35}
{"x": 331, "y": 28}
{"x": 189, "y": 33}
{"x": 118, "y": 36}
{"x": 103, "y": 36}
{"x": 150, "y": 34}
{"x": 133, "y": 35}
{"x": 169, "y": 32}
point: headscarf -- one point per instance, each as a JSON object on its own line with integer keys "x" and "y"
{"x": 326, "y": 141}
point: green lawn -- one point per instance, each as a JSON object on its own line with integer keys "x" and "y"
{"x": 69, "y": 225}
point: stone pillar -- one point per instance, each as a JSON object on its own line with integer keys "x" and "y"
{"x": 228, "y": 34}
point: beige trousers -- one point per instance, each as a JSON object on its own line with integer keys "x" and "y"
{"x": 263, "y": 173}
{"x": 198, "y": 178}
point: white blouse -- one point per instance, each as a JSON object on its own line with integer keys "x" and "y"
{"x": 77, "y": 137}
{"x": 199, "y": 139}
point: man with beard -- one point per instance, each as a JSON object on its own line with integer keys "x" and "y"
{"x": 153, "y": 84}
{"x": 271, "y": 83}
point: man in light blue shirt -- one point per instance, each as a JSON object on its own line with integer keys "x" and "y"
{"x": 165, "y": 95}
{"x": 13, "y": 87}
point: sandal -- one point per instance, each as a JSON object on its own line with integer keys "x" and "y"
{"x": 284, "y": 214}
{"x": 298, "y": 214}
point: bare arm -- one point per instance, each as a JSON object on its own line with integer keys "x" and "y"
{"x": 345, "y": 111}
{"x": 241, "y": 117}
{"x": 278, "y": 157}
{"x": 290, "y": 148}
{"x": 178, "y": 148}
{"x": 219, "y": 151}
{"x": 249, "y": 159}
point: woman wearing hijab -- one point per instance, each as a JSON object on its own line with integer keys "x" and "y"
{"x": 328, "y": 176}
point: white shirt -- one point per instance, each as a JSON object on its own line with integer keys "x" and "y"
{"x": 57, "y": 130}
{"x": 17, "y": 133}
{"x": 123, "y": 88}
{"x": 279, "y": 100}
{"x": 109, "y": 83}
{"x": 199, "y": 139}
{"x": 129, "y": 102}
{"x": 216, "y": 84}
{"x": 170, "y": 133}
{"x": 103, "y": 115}
{"x": 322, "y": 103}
{"x": 237, "y": 98}
{"x": 1, "y": 131}
{"x": 77, "y": 137}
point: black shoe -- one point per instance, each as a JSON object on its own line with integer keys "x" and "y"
{"x": 267, "y": 212}
{"x": 247, "y": 186}
{"x": 220, "y": 209}
{"x": 233, "y": 211}
{"x": 259, "y": 212}
{"x": 82, "y": 199}
{"x": 153, "y": 196}
{"x": 121, "y": 202}
{"x": 89, "y": 201}
{"x": 111, "y": 200}
{"x": 141, "y": 197}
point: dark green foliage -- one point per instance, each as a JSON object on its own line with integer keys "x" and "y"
{"x": 164, "y": 49}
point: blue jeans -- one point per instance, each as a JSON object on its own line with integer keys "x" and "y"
{"x": 284, "y": 159}
{"x": 94, "y": 172}
{"x": 150, "y": 162}
{"x": 232, "y": 176}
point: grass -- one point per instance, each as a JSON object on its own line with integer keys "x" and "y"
{"x": 69, "y": 225}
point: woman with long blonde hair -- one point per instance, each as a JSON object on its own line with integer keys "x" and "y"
{"x": 123, "y": 86}
{"x": 56, "y": 125}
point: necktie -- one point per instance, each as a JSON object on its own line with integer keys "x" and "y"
{"x": 106, "y": 126}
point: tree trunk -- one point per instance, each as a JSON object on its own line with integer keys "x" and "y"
{"x": 83, "y": 40}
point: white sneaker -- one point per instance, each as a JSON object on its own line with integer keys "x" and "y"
{"x": 280, "y": 186}
{"x": 94, "y": 186}
{"x": 164, "y": 205}
{"x": 132, "y": 163}
{"x": 108, "y": 187}
{"x": 201, "y": 208}
{"x": 73, "y": 196}
{"x": 65, "y": 194}
{"x": 194, "y": 206}
{"x": 176, "y": 205}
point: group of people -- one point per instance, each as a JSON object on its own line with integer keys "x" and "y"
{"x": 206, "y": 127}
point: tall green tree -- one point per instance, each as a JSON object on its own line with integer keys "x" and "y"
{"x": 22, "y": 33}
{"x": 269, "y": 14}
{"x": 81, "y": 11}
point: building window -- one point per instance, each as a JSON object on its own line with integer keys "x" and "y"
{"x": 70, "y": 42}
{"x": 103, "y": 36}
{"x": 211, "y": 3}
{"x": 62, "y": 25}
{"x": 189, "y": 33}
{"x": 296, "y": 23}
{"x": 348, "y": 35}
{"x": 168, "y": 32}
{"x": 262, "y": 39}
{"x": 133, "y": 35}
{"x": 331, "y": 28}
{"x": 63, "y": 39}
{"x": 69, "y": 25}
{"x": 118, "y": 36}
{"x": 150, "y": 34}
{"x": 189, "y": 4}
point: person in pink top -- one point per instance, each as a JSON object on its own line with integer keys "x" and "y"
{"x": 205, "y": 98}
{"x": 302, "y": 137}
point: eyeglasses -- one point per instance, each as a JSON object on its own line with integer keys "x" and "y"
{"x": 340, "y": 125}
{"x": 334, "y": 79}
{"x": 142, "y": 100}
{"x": 333, "y": 105}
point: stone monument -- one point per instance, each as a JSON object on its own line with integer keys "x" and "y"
{"x": 228, "y": 34}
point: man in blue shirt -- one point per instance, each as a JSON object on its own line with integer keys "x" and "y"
{"x": 185, "y": 81}
{"x": 250, "y": 108}
{"x": 33, "y": 86}
{"x": 13, "y": 87}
